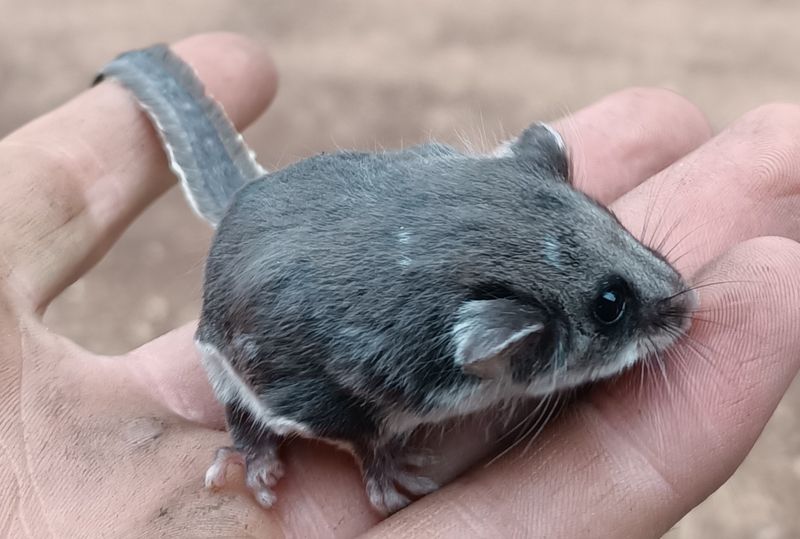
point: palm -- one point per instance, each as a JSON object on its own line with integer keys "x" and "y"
{"x": 96, "y": 446}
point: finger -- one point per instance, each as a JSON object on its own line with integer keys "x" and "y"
{"x": 627, "y": 463}
{"x": 621, "y": 140}
{"x": 168, "y": 371}
{"x": 742, "y": 184}
{"x": 76, "y": 177}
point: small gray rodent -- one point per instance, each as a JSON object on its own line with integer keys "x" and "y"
{"x": 354, "y": 296}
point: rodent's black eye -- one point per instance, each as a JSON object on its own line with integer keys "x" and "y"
{"x": 609, "y": 306}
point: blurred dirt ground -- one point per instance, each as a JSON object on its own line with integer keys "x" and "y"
{"x": 385, "y": 73}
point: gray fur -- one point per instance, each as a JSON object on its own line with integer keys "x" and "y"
{"x": 205, "y": 151}
{"x": 306, "y": 265}
{"x": 354, "y": 296}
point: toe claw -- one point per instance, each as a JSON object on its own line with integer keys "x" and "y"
{"x": 262, "y": 472}
{"x": 265, "y": 497}
{"x": 416, "y": 485}
{"x": 385, "y": 497}
{"x": 215, "y": 475}
{"x": 420, "y": 459}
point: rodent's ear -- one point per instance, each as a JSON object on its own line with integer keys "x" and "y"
{"x": 539, "y": 145}
{"x": 486, "y": 332}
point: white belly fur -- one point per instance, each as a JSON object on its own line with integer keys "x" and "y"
{"x": 230, "y": 388}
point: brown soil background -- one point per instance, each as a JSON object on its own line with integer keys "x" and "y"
{"x": 385, "y": 73}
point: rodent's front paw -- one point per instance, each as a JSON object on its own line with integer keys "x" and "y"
{"x": 391, "y": 475}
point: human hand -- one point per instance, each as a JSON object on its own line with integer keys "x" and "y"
{"x": 94, "y": 446}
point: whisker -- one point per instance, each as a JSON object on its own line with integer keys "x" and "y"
{"x": 544, "y": 424}
{"x": 678, "y": 360}
{"x": 701, "y": 226}
{"x": 734, "y": 281}
{"x": 684, "y": 254}
{"x": 671, "y": 229}
{"x": 662, "y": 368}
{"x": 699, "y": 319}
{"x": 521, "y": 422}
{"x": 645, "y": 367}
{"x": 667, "y": 235}
{"x": 682, "y": 239}
{"x": 691, "y": 343}
{"x": 649, "y": 211}
{"x": 700, "y": 287}
{"x": 546, "y": 402}
{"x": 676, "y": 189}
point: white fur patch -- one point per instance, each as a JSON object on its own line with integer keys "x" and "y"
{"x": 173, "y": 162}
{"x": 475, "y": 340}
{"x": 551, "y": 251}
{"x": 504, "y": 149}
{"x": 455, "y": 402}
{"x": 556, "y": 135}
{"x": 558, "y": 380}
{"x": 463, "y": 400}
{"x": 404, "y": 238}
{"x": 229, "y": 387}
{"x": 624, "y": 360}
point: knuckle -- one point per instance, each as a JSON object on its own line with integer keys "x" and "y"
{"x": 672, "y": 107}
{"x": 774, "y": 115}
{"x": 772, "y": 135}
{"x": 763, "y": 248}
{"x": 62, "y": 172}
{"x": 769, "y": 265}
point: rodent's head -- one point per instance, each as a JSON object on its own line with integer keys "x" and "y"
{"x": 585, "y": 300}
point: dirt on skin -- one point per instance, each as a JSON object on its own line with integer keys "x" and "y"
{"x": 390, "y": 73}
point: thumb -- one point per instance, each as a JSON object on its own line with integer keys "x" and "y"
{"x": 169, "y": 370}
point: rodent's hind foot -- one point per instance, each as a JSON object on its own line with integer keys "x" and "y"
{"x": 217, "y": 472}
{"x": 262, "y": 471}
